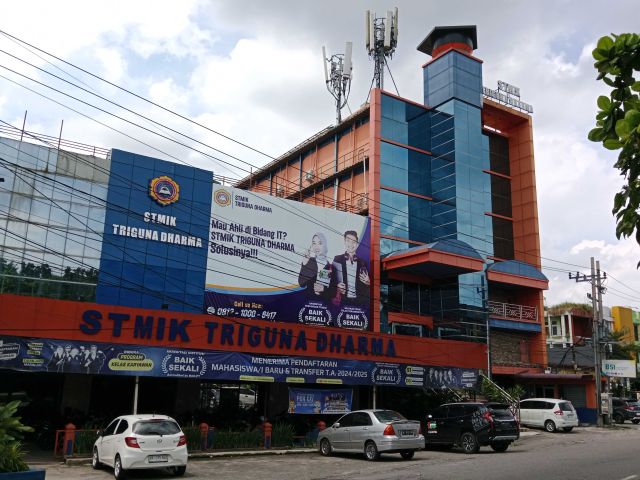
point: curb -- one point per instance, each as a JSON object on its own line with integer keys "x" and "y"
{"x": 74, "y": 461}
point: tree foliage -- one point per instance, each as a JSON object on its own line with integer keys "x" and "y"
{"x": 618, "y": 122}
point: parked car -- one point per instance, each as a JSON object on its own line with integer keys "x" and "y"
{"x": 134, "y": 442}
{"x": 472, "y": 425}
{"x": 550, "y": 413}
{"x": 372, "y": 432}
{"x": 625, "y": 409}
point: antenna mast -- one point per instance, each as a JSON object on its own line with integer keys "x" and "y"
{"x": 338, "y": 77}
{"x": 381, "y": 39}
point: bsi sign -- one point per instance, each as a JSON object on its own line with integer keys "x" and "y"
{"x": 619, "y": 368}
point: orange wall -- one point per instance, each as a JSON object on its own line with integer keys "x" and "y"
{"x": 23, "y": 316}
{"x": 353, "y": 148}
{"x": 526, "y": 233}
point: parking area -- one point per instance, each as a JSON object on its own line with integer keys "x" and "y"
{"x": 585, "y": 453}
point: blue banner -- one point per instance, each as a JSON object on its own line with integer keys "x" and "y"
{"x": 323, "y": 401}
{"x": 450, "y": 377}
{"x": 67, "y": 356}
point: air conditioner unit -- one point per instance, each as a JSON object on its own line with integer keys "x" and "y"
{"x": 309, "y": 175}
{"x": 280, "y": 191}
{"x": 362, "y": 202}
{"x": 547, "y": 370}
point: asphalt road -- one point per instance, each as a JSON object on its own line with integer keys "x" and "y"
{"x": 585, "y": 454}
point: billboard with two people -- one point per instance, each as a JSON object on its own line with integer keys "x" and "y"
{"x": 281, "y": 260}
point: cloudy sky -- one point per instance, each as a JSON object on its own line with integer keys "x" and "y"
{"x": 252, "y": 70}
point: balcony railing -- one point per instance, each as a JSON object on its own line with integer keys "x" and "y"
{"x": 508, "y": 311}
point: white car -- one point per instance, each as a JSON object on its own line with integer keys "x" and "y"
{"x": 141, "y": 442}
{"x": 550, "y": 413}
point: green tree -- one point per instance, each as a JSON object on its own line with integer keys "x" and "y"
{"x": 618, "y": 122}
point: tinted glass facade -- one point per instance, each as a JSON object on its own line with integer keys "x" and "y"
{"x": 52, "y": 210}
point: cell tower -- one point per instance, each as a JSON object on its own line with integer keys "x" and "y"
{"x": 339, "y": 80}
{"x": 381, "y": 40}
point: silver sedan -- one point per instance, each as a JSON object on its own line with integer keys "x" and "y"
{"x": 372, "y": 432}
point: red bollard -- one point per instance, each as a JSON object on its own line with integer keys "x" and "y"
{"x": 321, "y": 425}
{"x": 69, "y": 439}
{"x": 204, "y": 435}
{"x": 267, "y": 428}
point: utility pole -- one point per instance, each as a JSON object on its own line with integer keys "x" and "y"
{"x": 601, "y": 290}
{"x": 596, "y": 290}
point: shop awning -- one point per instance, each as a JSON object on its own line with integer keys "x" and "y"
{"x": 517, "y": 273}
{"x": 554, "y": 376}
{"x": 444, "y": 258}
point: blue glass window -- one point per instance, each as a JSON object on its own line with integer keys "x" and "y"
{"x": 405, "y": 169}
{"x": 404, "y": 216}
{"x": 405, "y": 123}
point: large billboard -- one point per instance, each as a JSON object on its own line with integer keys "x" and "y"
{"x": 280, "y": 260}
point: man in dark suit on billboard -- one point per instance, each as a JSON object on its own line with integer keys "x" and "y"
{"x": 350, "y": 276}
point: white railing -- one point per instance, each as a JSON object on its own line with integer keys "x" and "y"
{"x": 509, "y": 311}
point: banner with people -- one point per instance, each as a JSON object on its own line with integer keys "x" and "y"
{"x": 320, "y": 401}
{"x": 73, "y": 356}
{"x": 450, "y": 377}
{"x": 279, "y": 260}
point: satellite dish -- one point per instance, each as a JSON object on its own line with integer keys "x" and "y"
{"x": 348, "y": 67}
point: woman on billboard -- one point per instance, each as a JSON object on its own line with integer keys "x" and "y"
{"x": 315, "y": 271}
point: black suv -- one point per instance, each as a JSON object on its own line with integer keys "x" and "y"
{"x": 472, "y": 425}
{"x": 624, "y": 409}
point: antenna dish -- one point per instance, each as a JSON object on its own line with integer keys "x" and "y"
{"x": 348, "y": 67}
{"x": 388, "y": 27}
{"x": 324, "y": 63}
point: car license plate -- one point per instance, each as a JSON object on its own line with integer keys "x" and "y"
{"x": 406, "y": 433}
{"x": 158, "y": 458}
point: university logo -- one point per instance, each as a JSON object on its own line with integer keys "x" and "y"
{"x": 222, "y": 198}
{"x": 164, "y": 190}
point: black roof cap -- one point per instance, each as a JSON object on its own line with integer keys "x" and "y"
{"x": 441, "y": 35}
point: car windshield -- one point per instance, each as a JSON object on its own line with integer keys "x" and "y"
{"x": 156, "y": 427}
{"x": 388, "y": 416}
{"x": 500, "y": 408}
{"x": 566, "y": 407}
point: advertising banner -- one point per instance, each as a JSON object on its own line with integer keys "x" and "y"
{"x": 70, "y": 356}
{"x": 280, "y": 260}
{"x": 319, "y": 401}
{"x": 450, "y": 377}
{"x": 619, "y": 368}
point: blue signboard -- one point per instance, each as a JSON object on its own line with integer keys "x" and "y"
{"x": 66, "y": 356}
{"x": 450, "y": 377}
{"x": 324, "y": 401}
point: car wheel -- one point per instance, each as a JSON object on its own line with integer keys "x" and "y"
{"x": 469, "y": 443}
{"x": 371, "y": 451}
{"x": 550, "y": 426}
{"x": 118, "y": 471}
{"x": 635, "y": 422}
{"x": 500, "y": 447}
{"x": 325, "y": 447}
{"x": 567, "y": 429}
{"x": 178, "y": 471}
{"x": 407, "y": 454}
{"x": 95, "y": 459}
{"x": 618, "y": 418}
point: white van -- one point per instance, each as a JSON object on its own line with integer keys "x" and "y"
{"x": 550, "y": 413}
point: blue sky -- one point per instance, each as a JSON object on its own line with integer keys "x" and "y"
{"x": 252, "y": 70}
